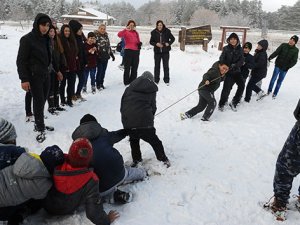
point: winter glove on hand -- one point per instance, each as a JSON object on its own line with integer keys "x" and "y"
{"x": 122, "y": 132}
{"x": 140, "y": 45}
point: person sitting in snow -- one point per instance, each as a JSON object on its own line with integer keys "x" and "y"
{"x": 107, "y": 161}
{"x": 25, "y": 178}
{"x": 209, "y": 84}
{"x": 138, "y": 107}
{"x": 287, "y": 167}
{"x": 75, "y": 184}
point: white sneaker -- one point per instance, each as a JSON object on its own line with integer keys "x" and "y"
{"x": 184, "y": 116}
{"x": 260, "y": 95}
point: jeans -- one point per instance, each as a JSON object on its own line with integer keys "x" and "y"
{"x": 281, "y": 74}
{"x": 91, "y": 72}
{"x": 101, "y": 67}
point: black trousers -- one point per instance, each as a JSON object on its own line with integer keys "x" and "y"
{"x": 206, "y": 100}
{"x": 131, "y": 64}
{"x": 251, "y": 86}
{"x": 70, "y": 79}
{"x": 39, "y": 87}
{"x": 149, "y": 136}
{"x": 28, "y": 100}
{"x": 53, "y": 99}
{"x": 164, "y": 57}
{"x": 230, "y": 80}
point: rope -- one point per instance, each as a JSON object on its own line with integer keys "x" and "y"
{"x": 186, "y": 96}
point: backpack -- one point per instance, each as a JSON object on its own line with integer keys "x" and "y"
{"x": 119, "y": 47}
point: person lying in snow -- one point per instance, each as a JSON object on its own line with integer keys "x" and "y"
{"x": 75, "y": 184}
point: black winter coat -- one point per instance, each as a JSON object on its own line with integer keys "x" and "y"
{"x": 34, "y": 55}
{"x": 163, "y": 37}
{"x": 261, "y": 60}
{"x": 249, "y": 65}
{"x": 234, "y": 57}
{"x": 212, "y": 74}
{"x": 138, "y": 104}
{"x": 81, "y": 52}
{"x": 107, "y": 161}
{"x": 287, "y": 56}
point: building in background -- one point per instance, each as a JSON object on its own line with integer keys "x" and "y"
{"x": 88, "y": 16}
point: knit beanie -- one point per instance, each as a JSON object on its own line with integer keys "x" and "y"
{"x": 52, "y": 156}
{"x": 7, "y": 131}
{"x": 247, "y": 45}
{"x": 295, "y": 38}
{"x": 148, "y": 75}
{"x": 80, "y": 153}
{"x": 75, "y": 25}
{"x": 87, "y": 118}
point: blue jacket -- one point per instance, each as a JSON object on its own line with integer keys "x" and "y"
{"x": 9, "y": 154}
{"x": 107, "y": 161}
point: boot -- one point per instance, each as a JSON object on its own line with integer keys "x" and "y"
{"x": 122, "y": 197}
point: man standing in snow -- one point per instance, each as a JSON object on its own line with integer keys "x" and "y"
{"x": 287, "y": 167}
{"x": 138, "y": 107}
{"x": 287, "y": 57}
{"x": 33, "y": 62}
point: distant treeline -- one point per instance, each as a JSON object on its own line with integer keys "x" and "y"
{"x": 176, "y": 12}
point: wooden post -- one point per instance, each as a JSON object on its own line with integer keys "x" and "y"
{"x": 183, "y": 35}
{"x": 205, "y": 44}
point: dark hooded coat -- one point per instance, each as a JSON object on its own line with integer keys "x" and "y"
{"x": 261, "y": 60}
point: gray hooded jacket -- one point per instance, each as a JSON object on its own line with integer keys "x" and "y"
{"x": 27, "y": 179}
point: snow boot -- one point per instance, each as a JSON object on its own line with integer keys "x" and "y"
{"x": 233, "y": 106}
{"x": 184, "y": 116}
{"x": 261, "y": 95}
{"x": 122, "y": 197}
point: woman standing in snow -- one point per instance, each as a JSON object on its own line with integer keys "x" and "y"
{"x": 132, "y": 51}
{"x": 104, "y": 54}
{"x": 161, "y": 39}
{"x": 69, "y": 72}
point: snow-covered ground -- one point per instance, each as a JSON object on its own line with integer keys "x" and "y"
{"x": 220, "y": 169}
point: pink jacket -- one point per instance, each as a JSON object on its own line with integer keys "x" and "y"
{"x": 131, "y": 37}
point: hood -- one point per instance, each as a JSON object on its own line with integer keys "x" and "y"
{"x": 264, "y": 44}
{"x": 233, "y": 35}
{"x": 143, "y": 84}
{"x": 90, "y": 130}
{"x": 36, "y": 20}
{"x": 29, "y": 167}
{"x": 68, "y": 180}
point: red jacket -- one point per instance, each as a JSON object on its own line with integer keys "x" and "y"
{"x": 132, "y": 39}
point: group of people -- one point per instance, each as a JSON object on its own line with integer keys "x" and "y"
{"x": 236, "y": 62}
{"x": 50, "y": 59}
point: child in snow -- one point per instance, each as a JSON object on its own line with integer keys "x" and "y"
{"x": 107, "y": 161}
{"x": 287, "y": 167}
{"x": 209, "y": 84}
{"x": 138, "y": 107}
{"x": 90, "y": 69}
{"x": 25, "y": 178}
{"x": 75, "y": 184}
{"x": 259, "y": 71}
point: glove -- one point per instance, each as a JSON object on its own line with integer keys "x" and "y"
{"x": 122, "y": 132}
{"x": 112, "y": 57}
{"x": 269, "y": 59}
{"x": 140, "y": 45}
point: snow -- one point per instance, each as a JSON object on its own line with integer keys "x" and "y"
{"x": 220, "y": 169}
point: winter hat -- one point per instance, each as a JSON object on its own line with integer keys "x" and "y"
{"x": 44, "y": 20}
{"x": 247, "y": 45}
{"x": 7, "y": 131}
{"x": 87, "y": 118}
{"x": 233, "y": 35}
{"x": 52, "y": 156}
{"x": 148, "y": 75}
{"x": 264, "y": 44}
{"x": 80, "y": 153}
{"x": 75, "y": 25}
{"x": 295, "y": 38}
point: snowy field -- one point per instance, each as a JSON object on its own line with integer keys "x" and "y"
{"x": 220, "y": 169}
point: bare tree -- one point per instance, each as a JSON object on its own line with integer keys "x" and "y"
{"x": 203, "y": 17}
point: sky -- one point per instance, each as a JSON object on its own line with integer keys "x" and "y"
{"x": 268, "y": 5}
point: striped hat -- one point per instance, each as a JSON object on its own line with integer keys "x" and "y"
{"x": 7, "y": 131}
